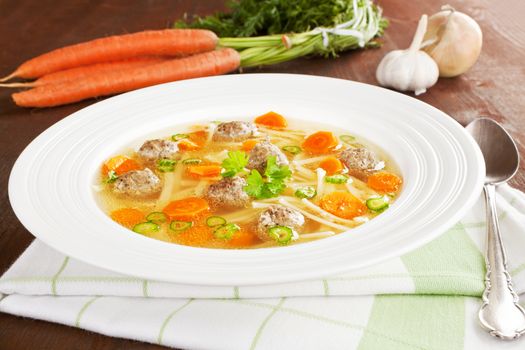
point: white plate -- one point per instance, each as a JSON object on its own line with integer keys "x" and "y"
{"x": 50, "y": 187}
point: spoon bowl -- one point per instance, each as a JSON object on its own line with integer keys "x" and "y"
{"x": 499, "y": 150}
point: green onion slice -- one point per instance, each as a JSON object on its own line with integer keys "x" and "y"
{"x": 292, "y": 149}
{"x": 157, "y": 217}
{"x": 282, "y": 234}
{"x": 306, "y": 192}
{"x": 226, "y": 231}
{"x": 347, "y": 138}
{"x": 337, "y": 179}
{"x": 179, "y": 226}
{"x": 146, "y": 228}
{"x": 166, "y": 165}
{"x": 191, "y": 161}
{"x": 178, "y": 137}
{"x": 214, "y": 221}
{"x": 112, "y": 176}
{"x": 377, "y": 204}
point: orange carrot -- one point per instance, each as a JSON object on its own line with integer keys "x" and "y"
{"x": 128, "y": 217}
{"x": 187, "y": 209}
{"x": 320, "y": 142}
{"x": 342, "y": 204}
{"x": 384, "y": 182}
{"x": 203, "y": 171}
{"x": 168, "y": 42}
{"x": 248, "y": 145}
{"x": 195, "y": 141}
{"x": 243, "y": 238}
{"x": 120, "y": 165}
{"x": 201, "y": 65}
{"x": 272, "y": 120}
{"x": 91, "y": 70}
{"x": 198, "y": 235}
{"x": 331, "y": 165}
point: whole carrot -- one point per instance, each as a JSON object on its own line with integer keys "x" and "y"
{"x": 86, "y": 71}
{"x": 200, "y": 65}
{"x": 168, "y": 42}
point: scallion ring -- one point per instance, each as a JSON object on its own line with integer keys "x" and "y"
{"x": 214, "y": 221}
{"x": 146, "y": 228}
{"x": 292, "y": 149}
{"x": 191, "y": 161}
{"x": 337, "y": 179}
{"x": 347, "y": 138}
{"x": 157, "y": 217}
{"x": 226, "y": 231}
{"x": 377, "y": 204}
{"x": 179, "y": 226}
{"x": 281, "y": 234}
{"x": 178, "y": 137}
{"x": 306, "y": 192}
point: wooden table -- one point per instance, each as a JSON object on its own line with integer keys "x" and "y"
{"x": 495, "y": 87}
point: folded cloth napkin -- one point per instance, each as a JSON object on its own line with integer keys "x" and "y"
{"x": 426, "y": 299}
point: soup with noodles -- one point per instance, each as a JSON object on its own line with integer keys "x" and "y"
{"x": 244, "y": 184}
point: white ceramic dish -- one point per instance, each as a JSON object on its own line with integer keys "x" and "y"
{"x": 50, "y": 187}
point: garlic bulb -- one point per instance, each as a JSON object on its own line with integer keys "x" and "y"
{"x": 453, "y": 40}
{"x": 410, "y": 69}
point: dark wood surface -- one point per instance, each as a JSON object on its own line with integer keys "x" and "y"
{"x": 495, "y": 87}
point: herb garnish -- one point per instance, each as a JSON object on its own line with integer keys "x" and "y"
{"x": 275, "y": 180}
{"x": 234, "y": 164}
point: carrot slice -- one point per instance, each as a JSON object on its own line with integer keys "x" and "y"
{"x": 187, "y": 145}
{"x": 272, "y": 120}
{"x": 120, "y": 165}
{"x": 331, "y": 165}
{"x": 200, "y": 171}
{"x": 384, "y": 182}
{"x": 320, "y": 142}
{"x": 198, "y": 235}
{"x": 248, "y": 145}
{"x": 186, "y": 209}
{"x": 128, "y": 217}
{"x": 243, "y": 238}
{"x": 195, "y": 141}
{"x": 342, "y": 204}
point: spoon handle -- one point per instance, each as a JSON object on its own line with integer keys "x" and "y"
{"x": 500, "y": 313}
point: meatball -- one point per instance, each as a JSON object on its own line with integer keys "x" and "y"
{"x": 361, "y": 162}
{"x": 137, "y": 183}
{"x": 260, "y": 153}
{"x": 158, "y": 149}
{"x": 234, "y": 131}
{"x": 277, "y": 215}
{"x": 228, "y": 192}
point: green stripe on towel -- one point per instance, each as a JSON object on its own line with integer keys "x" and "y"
{"x": 415, "y": 322}
{"x": 450, "y": 264}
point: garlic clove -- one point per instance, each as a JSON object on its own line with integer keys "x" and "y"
{"x": 410, "y": 69}
{"x": 454, "y": 41}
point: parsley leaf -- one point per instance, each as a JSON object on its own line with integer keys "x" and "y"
{"x": 255, "y": 184}
{"x": 234, "y": 164}
{"x": 275, "y": 180}
{"x": 276, "y": 172}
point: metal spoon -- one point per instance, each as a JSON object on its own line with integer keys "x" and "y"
{"x": 500, "y": 313}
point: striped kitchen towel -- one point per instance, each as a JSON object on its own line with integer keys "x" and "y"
{"x": 426, "y": 299}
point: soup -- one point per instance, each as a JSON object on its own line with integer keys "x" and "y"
{"x": 243, "y": 184}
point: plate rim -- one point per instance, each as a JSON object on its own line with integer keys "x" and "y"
{"x": 276, "y": 279}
